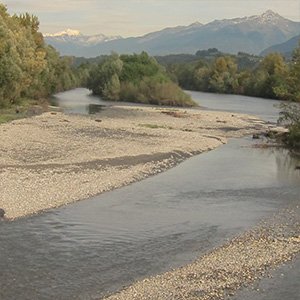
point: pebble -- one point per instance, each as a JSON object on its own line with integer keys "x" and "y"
{"x": 219, "y": 273}
{"x": 43, "y": 163}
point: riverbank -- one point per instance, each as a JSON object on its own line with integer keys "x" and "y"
{"x": 220, "y": 273}
{"x": 26, "y": 108}
{"x": 54, "y": 159}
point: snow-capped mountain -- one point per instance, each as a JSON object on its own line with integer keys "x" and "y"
{"x": 65, "y": 40}
{"x": 68, "y": 32}
{"x": 267, "y": 18}
{"x": 248, "y": 34}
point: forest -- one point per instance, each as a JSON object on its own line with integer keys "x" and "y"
{"x": 30, "y": 69}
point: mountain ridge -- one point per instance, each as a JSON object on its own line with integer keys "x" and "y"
{"x": 286, "y": 48}
{"x": 249, "y": 34}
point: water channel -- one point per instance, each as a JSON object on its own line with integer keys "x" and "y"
{"x": 92, "y": 248}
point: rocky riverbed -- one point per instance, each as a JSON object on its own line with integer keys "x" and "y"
{"x": 54, "y": 159}
{"x": 220, "y": 273}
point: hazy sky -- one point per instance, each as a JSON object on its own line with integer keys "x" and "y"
{"x": 137, "y": 17}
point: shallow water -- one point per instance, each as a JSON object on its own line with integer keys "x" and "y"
{"x": 84, "y": 250}
{"x": 81, "y": 101}
{"x": 283, "y": 284}
{"x": 78, "y": 101}
{"x": 267, "y": 109}
{"x": 91, "y": 248}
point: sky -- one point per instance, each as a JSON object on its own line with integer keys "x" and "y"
{"x": 138, "y": 17}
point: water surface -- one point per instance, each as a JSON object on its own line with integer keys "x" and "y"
{"x": 79, "y": 101}
{"x": 91, "y": 248}
{"x": 84, "y": 250}
{"x": 267, "y": 109}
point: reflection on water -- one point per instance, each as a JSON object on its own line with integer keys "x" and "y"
{"x": 79, "y": 101}
{"x": 287, "y": 164}
{"x": 95, "y": 108}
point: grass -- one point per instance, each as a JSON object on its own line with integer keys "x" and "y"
{"x": 9, "y": 114}
{"x": 155, "y": 126}
{"x": 24, "y": 106}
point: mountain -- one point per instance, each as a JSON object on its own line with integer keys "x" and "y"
{"x": 285, "y": 48}
{"x": 249, "y": 34}
{"x": 72, "y": 42}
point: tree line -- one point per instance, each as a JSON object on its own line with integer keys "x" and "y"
{"x": 268, "y": 77}
{"x": 28, "y": 67}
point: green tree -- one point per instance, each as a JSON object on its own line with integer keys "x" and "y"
{"x": 104, "y": 77}
{"x": 28, "y": 67}
{"x": 274, "y": 72}
{"x": 290, "y": 115}
{"x": 223, "y": 75}
{"x": 290, "y": 89}
{"x": 135, "y": 78}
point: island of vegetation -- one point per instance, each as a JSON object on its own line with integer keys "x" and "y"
{"x": 135, "y": 78}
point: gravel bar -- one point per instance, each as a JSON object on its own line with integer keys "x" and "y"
{"x": 220, "y": 273}
{"x": 54, "y": 159}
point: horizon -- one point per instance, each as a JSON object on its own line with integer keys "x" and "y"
{"x": 135, "y": 18}
{"x": 75, "y": 31}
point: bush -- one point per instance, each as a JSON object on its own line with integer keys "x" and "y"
{"x": 290, "y": 115}
{"x": 136, "y": 78}
{"x": 293, "y": 138}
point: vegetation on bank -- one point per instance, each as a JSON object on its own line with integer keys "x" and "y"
{"x": 135, "y": 78}
{"x": 268, "y": 77}
{"x": 213, "y": 71}
{"x": 290, "y": 115}
{"x": 242, "y": 59}
{"x": 30, "y": 69}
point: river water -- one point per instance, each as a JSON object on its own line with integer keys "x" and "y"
{"x": 92, "y": 248}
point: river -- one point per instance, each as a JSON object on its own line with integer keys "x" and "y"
{"x": 81, "y": 101}
{"x": 91, "y": 248}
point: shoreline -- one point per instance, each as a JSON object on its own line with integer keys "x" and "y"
{"x": 54, "y": 159}
{"x": 226, "y": 269}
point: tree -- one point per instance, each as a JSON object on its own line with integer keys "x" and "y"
{"x": 223, "y": 75}
{"x": 135, "y": 78}
{"x": 275, "y": 72}
{"x": 290, "y": 90}
{"x": 104, "y": 77}
{"x": 29, "y": 68}
{"x": 290, "y": 115}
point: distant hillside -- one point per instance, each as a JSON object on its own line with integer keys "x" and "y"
{"x": 242, "y": 59}
{"x": 248, "y": 34}
{"x": 285, "y": 48}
